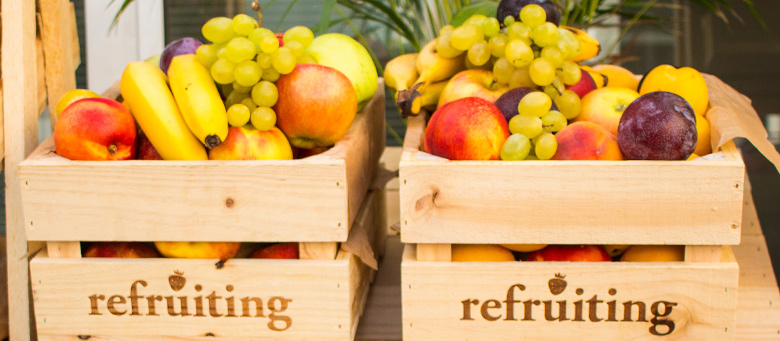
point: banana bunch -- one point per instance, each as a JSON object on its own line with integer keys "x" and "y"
{"x": 182, "y": 120}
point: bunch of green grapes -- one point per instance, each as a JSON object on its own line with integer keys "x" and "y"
{"x": 247, "y": 60}
{"x": 533, "y": 129}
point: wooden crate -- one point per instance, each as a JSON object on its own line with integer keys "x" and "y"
{"x": 691, "y": 300}
{"x": 313, "y": 199}
{"x": 568, "y": 202}
{"x": 319, "y": 299}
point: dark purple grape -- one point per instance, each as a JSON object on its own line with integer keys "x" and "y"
{"x": 182, "y": 46}
{"x": 513, "y": 7}
{"x": 657, "y": 126}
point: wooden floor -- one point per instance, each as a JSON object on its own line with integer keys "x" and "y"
{"x": 758, "y": 303}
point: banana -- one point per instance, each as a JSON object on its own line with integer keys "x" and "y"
{"x": 401, "y": 72}
{"x": 435, "y": 68}
{"x": 144, "y": 88}
{"x": 198, "y": 100}
{"x": 418, "y": 97}
{"x": 589, "y": 46}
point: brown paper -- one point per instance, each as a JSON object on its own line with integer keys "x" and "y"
{"x": 358, "y": 244}
{"x": 731, "y": 115}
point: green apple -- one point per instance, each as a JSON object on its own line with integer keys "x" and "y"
{"x": 343, "y": 53}
{"x": 154, "y": 60}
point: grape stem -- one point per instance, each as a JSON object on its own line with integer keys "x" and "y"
{"x": 259, "y": 11}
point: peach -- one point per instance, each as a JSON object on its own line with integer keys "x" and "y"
{"x": 120, "y": 250}
{"x": 466, "y": 129}
{"x": 570, "y": 253}
{"x": 481, "y": 253}
{"x": 248, "y": 143}
{"x": 204, "y": 250}
{"x": 605, "y": 106}
{"x": 586, "y": 141}
{"x": 95, "y": 129}
{"x": 277, "y": 251}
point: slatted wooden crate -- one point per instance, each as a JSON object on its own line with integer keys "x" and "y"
{"x": 691, "y": 300}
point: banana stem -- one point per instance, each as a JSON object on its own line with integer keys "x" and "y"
{"x": 259, "y": 11}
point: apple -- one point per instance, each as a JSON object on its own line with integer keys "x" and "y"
{"x": 472, "y": 83}
{"x": 658, "y": 126}
{"x": 185, "y": 45}
{"x": 584, "y": 86}
{"x": 345, "y": 54}
{"x": 146, "y": 150}
{"x": 605, "y": 106}
{"x": 248, "y": 143}
{"x": 470, "y": 128}
{"x": 570, "y": 253}
{"x": 316, "y": 105}
{"x": 120, "y": 250}
{"x": 95, "y": 129}
{"x": 277, "y": 251}
{"x": 198, "y": 250}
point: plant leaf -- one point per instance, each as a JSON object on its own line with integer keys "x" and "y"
{"x": 486, "y": 8}
{"x": 122, "y": 9}
{"x": 327, "y": 13}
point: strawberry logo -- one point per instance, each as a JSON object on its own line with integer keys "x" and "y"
{"x": 557, "y": 284}
{"x": 177, "y": 280}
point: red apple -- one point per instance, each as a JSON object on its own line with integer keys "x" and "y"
{"x": 120, "y": 250}
{"x": 470, "y": 128}
{"x": 584, "y": 86}
{"x": 277, "y": 251}
{"x": 472, "y": 83}
{"x": 570, "y": 253}
{"x": 146, "y": 150}
{"x": 95, "y": 129}
{"x": 316, "y": 105}
{"x": 248, "y": 143}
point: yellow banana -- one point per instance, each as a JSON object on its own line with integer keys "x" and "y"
{"x": 198, "y": 100}
{"x": 589, "y": 46}
{"x": 419, "y": 97}
{"x": 435, "y": 68}
{"x": 401, "y": 72}
{"x": 144, "y": 88}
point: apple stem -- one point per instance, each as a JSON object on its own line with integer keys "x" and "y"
{"x": 259, "y": 11}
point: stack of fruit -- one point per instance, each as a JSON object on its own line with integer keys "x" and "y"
{"x": 222, "y": 251}
{"x": 511, "y": 88}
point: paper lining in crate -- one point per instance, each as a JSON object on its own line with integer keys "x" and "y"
{"x": 312, "y": 199}
{"x": 695, "y": 202}
{"x": 166, "y": 298}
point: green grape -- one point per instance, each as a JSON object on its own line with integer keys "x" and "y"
{"x": 240, "y": 88}
{"x": 238, "y": 115}
{"x": 221, "y": 53}
{"x": 463, "y": 37}
{"x": 478, "y": 53}
{"x": 570, "y": 73}
{"x": 502, "y": 70}
{"x": 258, "y": 34}
{"x": 568, "y": 43}
{"x": 521, "y": 77}
{"x": 223, "y": 71}
{"x": 300, "y": 34}
{"x": 269, "y": 44}
{"x": 491, "y": 27}
{"x": 535, "y": 104}
{"x": 307, "y": 58}
{"x": 554, "y": 89}
{"x": 265, "y": 94}
{"x": 206, "y": 55}
{"x": 531, "y": 157}
{"x": 240, "y": 49}
{"x": 542, "y": 72}
{"x": 446, "y": 29}
{"x": 235, "y": 97}
{"x": 263, "y": 118}
{"x": 218, "y": 30}
{"x": 243, "y": 24}
{"x": 569, "y": 104}
{"x": 519, "y": 53}
{"x": 554, "y": 121}
{"x": 225, "y": 89}
{"x": 270, "y": 74}
{"x": 545, "y": 146}
{"x": 533, "y": 15}
{"x": 250, "y": 103}
{"x": 296, "y": 48}
{"x": 444, "y": 48}
{"x": 283, "y": 60}
{"x": 476, "y": 20}
{"x": 545, "y": 35}
{"x": 509, "y": 20}
{"x": 530, "y": 126}
{"x": 519, "y": 31}
{"x": 248, "y": 73}
{"x": 497, "y": 45}
{"x": 515, "y": 148}
{"x": 553, "y": 55}
{"x": 264, "y": 60}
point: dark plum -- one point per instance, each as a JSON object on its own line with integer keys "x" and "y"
{"x": 508, "y": 102}
{"x": 182, "y": 46}
{"x": 657, "y": 126}
{"x": 513, "y": 7}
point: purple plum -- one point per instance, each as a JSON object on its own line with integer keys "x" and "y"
{"x": 657, "y": 126}
{"x": 182, "y": 46}
{"x": 508, "y": 102}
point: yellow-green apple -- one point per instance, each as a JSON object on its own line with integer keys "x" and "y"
{"x": 472, "y": 83}
{"x": 584, "y": 86}
{"x": 570, "y": 253}
{"x": 277, "y": 251}
{"x": 345, "y": 54}
{"x": 470, "y": 128}
{"x": 120, "y": 250}
{"x": 95, "y": 129}
{"x": 316, "y": 105}
{"x": 146, "y": 150}
{"x": 201, "y": 250}
{"x": 605, "y": 106}
{"x": 248, "y": 143}
{"x": 586, "y": 141}
{"x": 658, "y": 126}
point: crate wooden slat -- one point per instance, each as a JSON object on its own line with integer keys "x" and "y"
{"x": 568, "y": 202}
{"x": 314, "y": 199}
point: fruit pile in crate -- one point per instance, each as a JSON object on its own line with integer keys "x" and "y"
{"x": 244, "y": 191}
{"x": 546, "y": 172}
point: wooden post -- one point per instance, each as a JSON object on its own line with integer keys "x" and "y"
{"x": 21, "y": 135}
{"x": 58, "y": 50}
